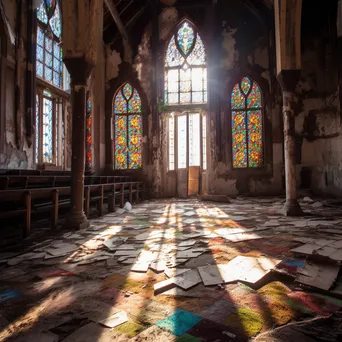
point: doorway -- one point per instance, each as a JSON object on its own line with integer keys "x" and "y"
{"x": 187, "y": 151}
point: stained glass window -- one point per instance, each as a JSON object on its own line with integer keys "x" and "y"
{"x": 49, "y": 64}
{"x": 89, "y": 134}
{"x": 47, "y": 128}
{"x": 247, "y": 124}
{"x": 37, "y": 128}
{"x": 127, "y": 128}
{"x": 185, "y": 67}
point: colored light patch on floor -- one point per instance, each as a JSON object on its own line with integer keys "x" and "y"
{"x": 207, "y": 330}
{"x": 292, "y": 266}
{"x": 130, "y": 328}
{"x": 219, "y": 311}
{"x": 180, "y": 322}
{"x": 251, "y": 321}
{"x": 7, "y": 294}
{"x": 187, "y": 338}
{"x": 313, "y": 304}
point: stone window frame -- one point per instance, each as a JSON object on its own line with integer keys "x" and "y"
{"x": 226, "y": 130}
{"x": 163, "y": 51}
{"x": 126, "y": 74}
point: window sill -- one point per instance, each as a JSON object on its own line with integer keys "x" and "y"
{"x": 184, "y": 107}
{"x": 261, "y": 171}
{"x": 50, "y": 167}
{"x": 54, "y": 89}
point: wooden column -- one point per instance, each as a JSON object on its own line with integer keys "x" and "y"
{"x": 79, "y": 70}
{"x": 288, "y": 80}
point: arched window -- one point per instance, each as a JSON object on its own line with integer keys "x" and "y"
{"x": 51, "y": 74}
{"x": 89, "y": 134}
{"x": 127, "y": 128}
{"x": 247, "y": 124}
{"x": 185, "y": 67}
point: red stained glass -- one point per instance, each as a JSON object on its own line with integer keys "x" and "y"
{"x": 247, "y": 125}
{"x": 255, "y": 153}
{"x": 89, "y": 135}
{"x": 135, "y": 141}
{"x": 127, "y": 128}
{"x": 120, "y": 142}
{"x": 239, "y": 139}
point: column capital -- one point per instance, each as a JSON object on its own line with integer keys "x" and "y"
{"x": 79, "y": 69}
{"x": 288, "y": 79}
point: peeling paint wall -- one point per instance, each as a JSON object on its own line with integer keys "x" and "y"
{"x": 234, "y": 59}
{"x": 318, "y": 123}
{"x": 13, "y": 156}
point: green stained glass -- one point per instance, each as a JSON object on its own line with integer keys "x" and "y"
{"x": 127, "y": 91}
{"x": 245, "y": 85}
{"x": 185, "y": 38}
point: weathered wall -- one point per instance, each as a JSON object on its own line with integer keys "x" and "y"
{"x": 239, "y": 53}
{"x": 245, "y": 49}
{"x": 318, "y": 124}
{"x": 15, "y": 154}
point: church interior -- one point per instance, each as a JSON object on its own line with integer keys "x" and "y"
{"x": 170, "y": 170}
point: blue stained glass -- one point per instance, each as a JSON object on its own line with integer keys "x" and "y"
{"x": 173, "y": 56}
{"x": 39, "y": 69}
{"x": 47, "y": 130}
{"x": 40, "y": 54}
{"x": 185, "y": 67}
{"x": 197, "y": 55}
{"x": 40, "y": 36}
{"x": 55, "y": 22}
{"x": 48, "y": 74}
{"x": 185, "y": 38}
{"x": 48, "y": 60}
{"x": 120, "y": 104}
{"x": 41, "y": 14}
{"x": 56, "y": 79}
{"x": 48, "y": 44}
{"x": 49, "y": 5}
{"x": 56, "y": 50}
{"x": 56, "y": 65}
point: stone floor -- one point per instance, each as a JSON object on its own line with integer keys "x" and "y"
{"x": 100, "y": 284}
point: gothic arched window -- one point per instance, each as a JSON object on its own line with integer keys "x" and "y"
{"x": 247, "y": 124}
{"x": 127, "y": 118}
{"x": 185, "y": 67}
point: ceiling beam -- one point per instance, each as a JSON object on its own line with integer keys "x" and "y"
{"x": 112, "y": 9}
{"x": 130, "y": 22}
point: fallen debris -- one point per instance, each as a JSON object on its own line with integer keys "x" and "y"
{"x": 115, "y": 320}
{"x": 321, "y": 276}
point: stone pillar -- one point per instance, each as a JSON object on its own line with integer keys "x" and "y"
{"x": 79, "y": 70}
{"x": 288, "y": 80}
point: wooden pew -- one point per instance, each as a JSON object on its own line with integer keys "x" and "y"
{"x": 33, "y": 182}
{"x": 27, "y": 202}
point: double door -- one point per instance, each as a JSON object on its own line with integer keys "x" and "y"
{"x": 189, "y": 159}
